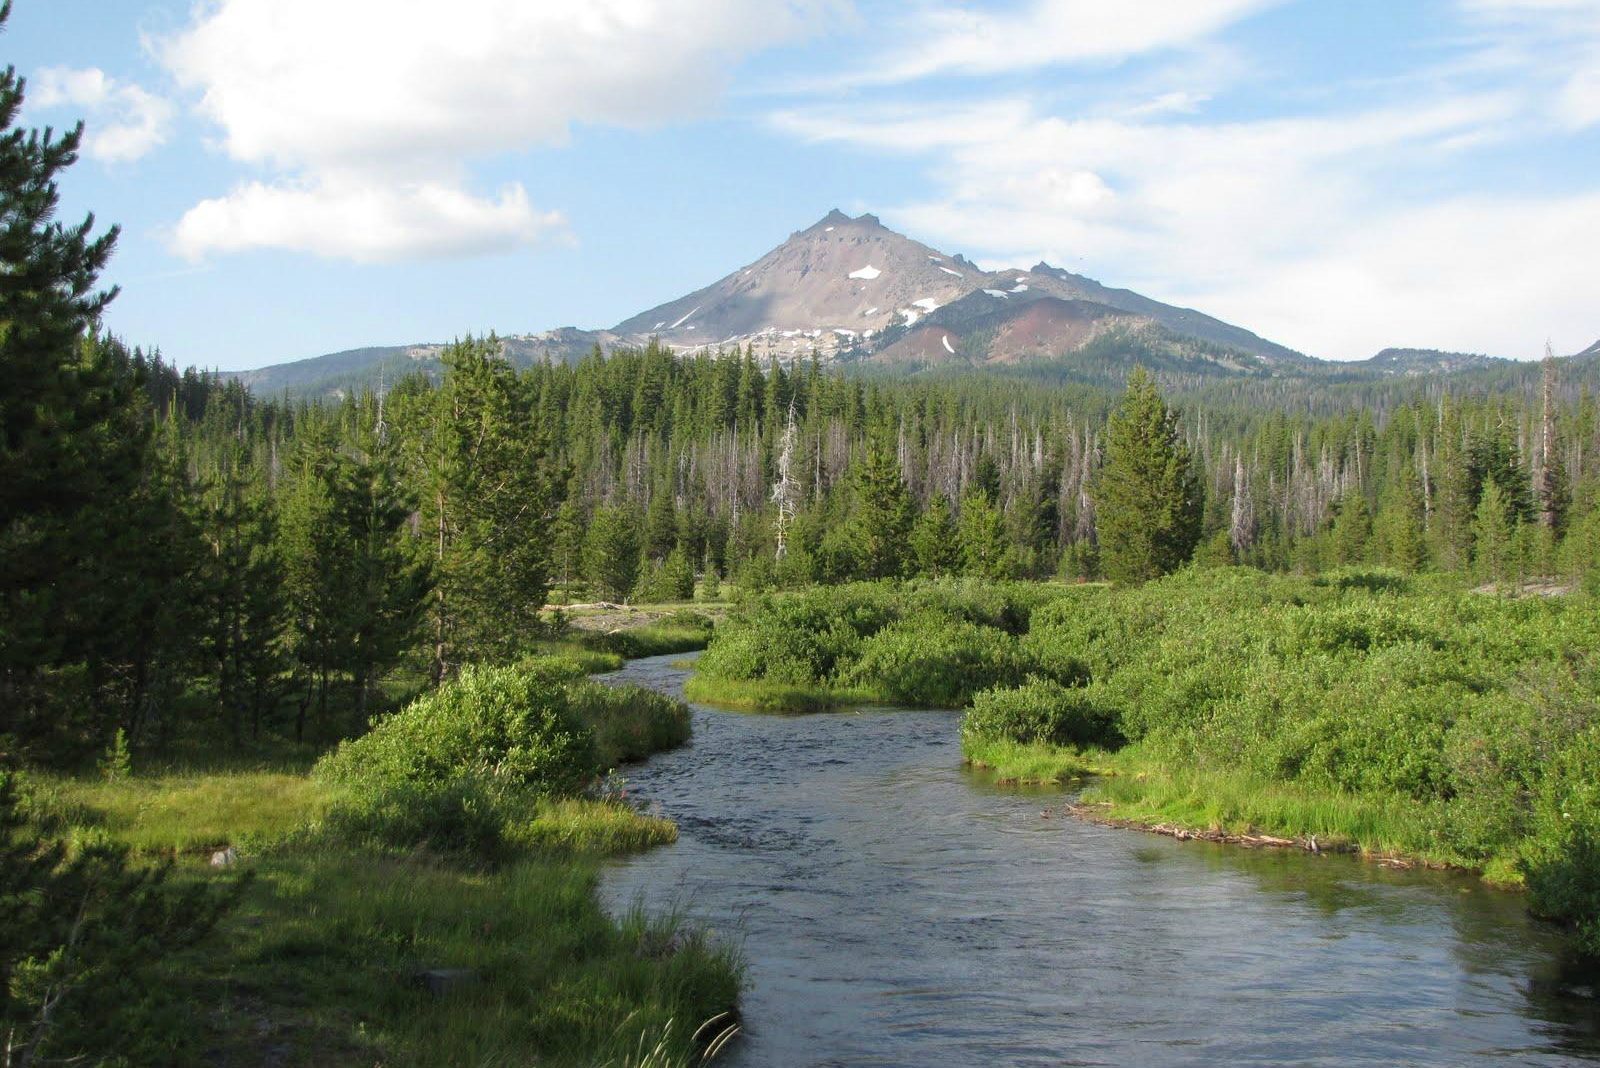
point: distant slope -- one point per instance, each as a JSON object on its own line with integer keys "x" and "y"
{"x": 1185, "y": 322}
{"x": 339, "y": 373}
{"x": 851, "y": 289}
{"x": 1426, "y": 362}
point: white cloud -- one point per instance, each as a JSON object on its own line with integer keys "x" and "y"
{"x": 1296, "y": 227}
{"x": 122, "y": 121}
{"x": 980, "y": 40}
{"x": 386, "y": 83}
{"x": 1549, "y": 43}
{"x": 386, "y": 103}
{"x": 363, "y": 222}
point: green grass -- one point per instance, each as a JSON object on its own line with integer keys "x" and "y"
{"x": 759, "y": 695}
{"x": 318, "y": 966}
{"x": 1031, "y": 763}
{"x": 1141, "y": 789}
{"x": 584, "y": 827}
{"x": 590, "y": 660}
{"x": 181, "y": 812}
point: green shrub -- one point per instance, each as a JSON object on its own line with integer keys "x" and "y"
{"x": 508, "y": 728}
{"x": 1040, "y": 710}
{"x": 1561, "y": 859}
{"x": 934, "y": 661}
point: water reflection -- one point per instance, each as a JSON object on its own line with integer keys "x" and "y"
{"x": 897, "y": 910}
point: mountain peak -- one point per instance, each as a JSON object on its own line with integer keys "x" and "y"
{"x": 834, "y": 216}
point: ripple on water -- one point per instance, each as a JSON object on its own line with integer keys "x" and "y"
{"x": 895, "y": 910}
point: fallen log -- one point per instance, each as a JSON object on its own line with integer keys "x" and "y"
{"x": 1097, "y": 813}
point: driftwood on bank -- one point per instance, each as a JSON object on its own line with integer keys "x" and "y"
{"x": 1097, "y": 813}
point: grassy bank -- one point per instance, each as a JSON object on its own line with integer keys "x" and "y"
{"x": 1370, "y": 710}
{"x": 459, "y": 838}
{"x": 764, "y": 695}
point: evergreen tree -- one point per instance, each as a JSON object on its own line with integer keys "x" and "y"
{"x": 935, "y": 543}
{"x": 1352, "y": 530}
{"x": 1491, "y": 535}
{"x": 489, "y": 490}
{"x": 244, "y": 591}
{"x": 1147, "y": 499}
{"x": 611, "y": 552}
{"x": 389, "y": 578}
{"x": 74, "y": 439}
{"x": 1398, "y": 528}
{"x": 985, "y": 549}
{"x": 660, "y": 525}
{"x": 881, "y": 526}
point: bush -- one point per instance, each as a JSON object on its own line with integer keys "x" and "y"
{"x": 507, "y": 728}
{"x": 1561, "y": 859}
{"x": 933, "y": 660}
{"x": 631, "y": 722}
{"x": 1040, "y": 710}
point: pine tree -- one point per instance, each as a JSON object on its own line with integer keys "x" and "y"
{"x": 74, "y": 438}
{"x": 985, "y": 549}
{"x": 244, "y": 590}
{"x": 611, "y": 552}
{"x": 660, "y": 525}
{"x": 935, "y": 543}
{"x": 1491, "y": 535}
{"x": 1398, "y": 528}
{"x": 1352, "y": 530}
{"x": 489, "y": 489}
{"x": 1147, "y": 499}
{"x": 880, "y": 528}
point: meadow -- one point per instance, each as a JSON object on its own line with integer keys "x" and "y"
{"x": 1393, "y": 715}
{"x": 422, "y": 894}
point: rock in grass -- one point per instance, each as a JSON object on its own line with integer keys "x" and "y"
{"x": 224, "y": 858}
{"x": 442, "y": 981}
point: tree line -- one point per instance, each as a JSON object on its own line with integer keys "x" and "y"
{"x": 181, "y": 558}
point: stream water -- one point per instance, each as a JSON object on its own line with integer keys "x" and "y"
{"x": 894, "y": 908}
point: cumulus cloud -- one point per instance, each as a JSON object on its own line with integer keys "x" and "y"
{"x": 362, "y": 221}
{"x": 384, "y": 104}
{"x": 122, "y": 121}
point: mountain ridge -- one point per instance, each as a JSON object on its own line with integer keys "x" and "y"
{"x": 854, "y": 291}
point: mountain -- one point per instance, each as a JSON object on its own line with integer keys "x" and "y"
{"x": 853, "y": 286}
{"x": 341, "y": 372}
{"x": 1592, "y": 350}
{"x": 1412, "y": 362}
{"x": 852, "y": 290}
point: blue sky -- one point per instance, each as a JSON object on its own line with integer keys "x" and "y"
{"x": 295, "y": 177}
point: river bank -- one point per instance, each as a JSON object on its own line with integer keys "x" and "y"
{"x": 1400, "y": 716}
{"x": 438, "y": 926}
{"x": 894, "y": 907}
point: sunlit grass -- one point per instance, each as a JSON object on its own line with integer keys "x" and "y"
{"x": 581, "y": 826}
{"x": 1031, "y": 763}
{"x": 760, "y": 695}
{"x": 1142, "y": 789}
{"x": 179, "y": 812}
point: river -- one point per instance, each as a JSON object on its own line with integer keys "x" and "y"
{"x": 894, "y": 908}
